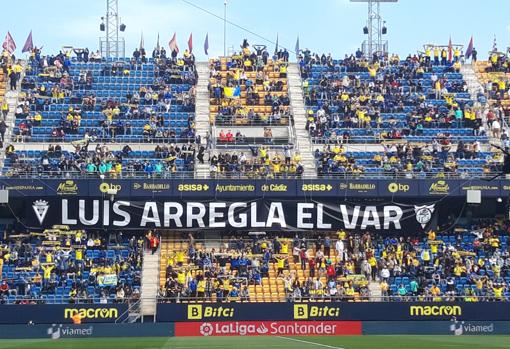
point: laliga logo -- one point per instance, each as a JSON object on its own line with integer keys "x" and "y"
{"x": 206, "y": 329}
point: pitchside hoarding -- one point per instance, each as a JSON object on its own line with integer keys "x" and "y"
{"x": 256, "y": 188}
{"x": 61, "y": 313}
{"x": 334, "y": 311}
{"x": 268, "y": 328}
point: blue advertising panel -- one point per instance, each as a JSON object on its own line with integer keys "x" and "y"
{"x": 364, "y": 311}
{"x": 61, "y": 313}
{"x": 246, "y": 188}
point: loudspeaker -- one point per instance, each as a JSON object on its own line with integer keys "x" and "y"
{"x": 102, "y": 27}
{"x": 506, "y": 165}
{"x": 365, "y": 30}
{"x": 474, "y": 197}
{"x": 384, "y": 30}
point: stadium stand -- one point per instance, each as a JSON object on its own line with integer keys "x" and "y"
{"x": 249, "y": 88}
{"x": 165, "y": 161}
{"x": 401, "y": 159}
{"x": 414, "y": 103}
{"x": 250, "y": 109}
{"x": 74, "y": 99}
{"x": 259, "y": 162}
{"x": 494, "y": 75}
{"x": 65, "y": 266}
{"x": 460, "y": 263}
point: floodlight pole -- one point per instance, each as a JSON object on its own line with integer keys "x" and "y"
{"x": 225, "y": 29}
{"x": 374, "y": 42}
{"x": 111, "y": 45}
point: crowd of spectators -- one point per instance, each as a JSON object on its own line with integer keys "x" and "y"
{"x": 354, "y": 93}
{"x": 408, "y": 160}
{"x": 469, "y": 264}
{"x": 259, "y": 162}
{"x": 498, "y": 62}
{"x": 165, "y": 161}
{"x": 70, "y": 266}
{"x": 51, "y": 81}
{"x": 250, "y": 87}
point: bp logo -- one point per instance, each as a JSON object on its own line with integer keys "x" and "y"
{"x": 424, "y": 214}
{"x": 206, "y": 329}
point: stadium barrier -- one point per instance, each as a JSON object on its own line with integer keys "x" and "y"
{"x": 62, "y": 313}
{"x": 252, "y": 188}
{"x": 61, "y": 331}
{"x": 268, "y": 328}
{"x": 339, "y": 328}
{"x": 340, "y": 311}
{"x": 455, "y": 327}
{"x": 255, "y": 328}
{"x": 402, "y": 206}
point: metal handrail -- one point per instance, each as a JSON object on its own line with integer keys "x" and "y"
{"x": 123, "y": 139}
{"x": 337, "y": 298}
{"x": 77, "y": 300}
{"x": 96, "y": 175}
{"x": 35, "y": 175}
{"x": 376, "y": 139}
{"x": 125, "y": 315}
{"x": 489, "y": 296}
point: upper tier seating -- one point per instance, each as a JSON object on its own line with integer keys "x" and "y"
{"x": 122, "y": 101}
{"x": 353, "y": 101}
{"x": 249, "y": 88}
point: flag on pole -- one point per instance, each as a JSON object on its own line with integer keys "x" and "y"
{"x": 276, "y": 47}
{"x": 469, "y": 50}
{"x": 142, "y": 44}
{"x": 450, "y": 50}
{"x": 157, "y": 44}
{"x": 206, "y": 44}
{"x": 190, "y": 43}
{"x": 173, "y": 44}
{"x": 9, "y": 45}
{"x": 297, "y": 47}
{"x": 494, "y": 45}
{"x": 29, "y": 44}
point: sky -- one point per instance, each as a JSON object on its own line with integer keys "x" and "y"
{"x": 323, "y": 26}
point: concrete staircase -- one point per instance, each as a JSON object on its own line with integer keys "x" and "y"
{"x": 475, "y": 88}
{"x": 375, "y": 291}
{"x": 150, "y": 282}
{"x": 469, "y": 75}
{"x": 303, "y": 143}
{"x": 12, "y": 100}
{"x": 202, "y": 114}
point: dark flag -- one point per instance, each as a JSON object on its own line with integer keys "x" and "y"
{"x": 206, "y": 44}
{"x": 29, "y": 44}
{"x": 190, "y": 42}
{"x": 9, "y": 43}
{"x": 469, "y": 50}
